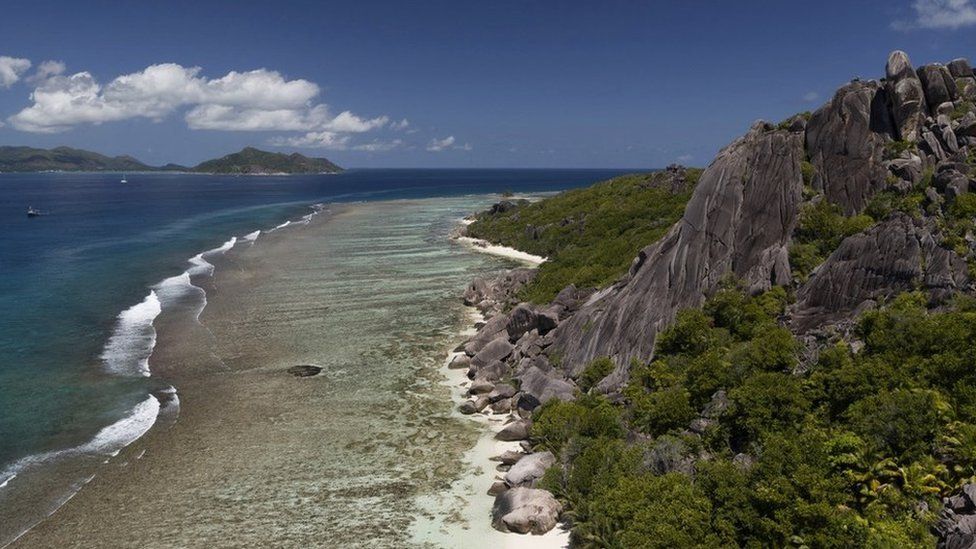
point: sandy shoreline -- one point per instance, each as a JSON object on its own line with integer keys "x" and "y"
{"x": 247, "y": 463}
{"x": 474, "y": 519}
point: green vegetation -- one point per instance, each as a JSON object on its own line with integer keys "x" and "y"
{"x": 788, "y": 122}
{"x": 29, "y": 159}
{"x": 589, "y": 235}
{"x": 894, "y": 149}
{"x": 253, "y": 161}
{"x": 962, "y": 109}
{"x": 594, "y": 372}
{"x": 820, "y": 229}
{"x": 855, "y": 452}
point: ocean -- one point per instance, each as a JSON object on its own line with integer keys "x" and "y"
{"x": 83, "y": 286}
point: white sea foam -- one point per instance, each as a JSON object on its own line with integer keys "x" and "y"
{"x": 251, "y": 237}
{"x": 107, "y": 442}
{"x": 200, "y": 265}
{"x": 282, "y": 226}
{"x": 112, "y": 439}
{"x": 7, "y": 479}
{"x": 128, "y": 349}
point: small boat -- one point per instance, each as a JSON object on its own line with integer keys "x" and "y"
{"x": 123, "y": 179}
{"x": 31, "y": 212}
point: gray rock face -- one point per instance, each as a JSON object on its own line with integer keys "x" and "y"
{"x": 967, "y": 126}
{"x": 528, "y": 470}
{"x": 544, "y": 387}
{"x": 937, "y": 84}
{"x": 960, "y": 68}
{"x": 889, "y": 258}
{"x": 905, "y": 91}
{"x": 956, "y": 528}
{"x": 497, "y": 349}
{"x": 525, "y": 510}
{"x": 491, "y": 331}
{"x": 738, "y": 221}
{"x": 525, "y": 318}
{"x": 845, "y": 143}
{"x": 516, "y": 430}
{"x": 459, "y": 362}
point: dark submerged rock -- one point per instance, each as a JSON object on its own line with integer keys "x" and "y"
{"x": 304, "y": 370}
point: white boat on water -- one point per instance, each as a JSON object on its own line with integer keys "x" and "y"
{"x": 123, "y": 179}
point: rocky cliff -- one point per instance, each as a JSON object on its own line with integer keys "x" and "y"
{"x": 869, "y": 138}
{"x": 899, "y": 153}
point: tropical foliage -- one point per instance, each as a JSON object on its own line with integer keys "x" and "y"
{"x": 849, "y": 450}
{"x": 590, "y": 235}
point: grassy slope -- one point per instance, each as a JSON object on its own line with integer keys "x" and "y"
{"x": 589, "y": 235}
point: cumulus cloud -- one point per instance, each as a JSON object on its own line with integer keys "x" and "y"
{"x": 46, "y": 70}
{"x": 449, "y": 142}
{"x": 313, "y": 140}
{"x": 811, "y": 96}
{"x": 333, "y": 141}
{"x": 685, "y": 158}
{"x": 438, "y": 145}
{"x": 940, "y": 14}
{"x": 257, "y": 100}
{"x": 376, "y": 146}
{"x": 10, "y": 70}
{"x": 401, "y": 125}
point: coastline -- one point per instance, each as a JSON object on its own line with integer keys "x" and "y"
{"x": 61, "y": 474}
{"x": 480, "y": 471}
{"x": 235, "y": 399}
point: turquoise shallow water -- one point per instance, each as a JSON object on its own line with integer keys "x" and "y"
{"x": 81, "y": 287}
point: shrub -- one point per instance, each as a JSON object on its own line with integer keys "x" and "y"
{"x": 557, "y": 422}
{"x": 807, "y": 171}
{"x": 894, "y": 149}
{"x": 645, "y": 511}
{"x": 691, "y": 333}
{"x": 767, "y": 402}
{"x": 902, "y": 423}
{"x": 590, "y": 235}
{"x": 659, "y": 412}
{"x": 594, "y": 372}
{"x": 820, "y": 229}
{"x": 964, "y": 206}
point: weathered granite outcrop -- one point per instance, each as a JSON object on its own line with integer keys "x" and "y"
{"x": 529, "y": 469}
{"x": 907, "y": 99}
{"x": 845, "y": 141}
{"x": 937, "y": 84}
{"x": 956, "y": 528}
{"x": 525, "y": 510}
{"x": 895, "y": 256}
{"x": 738, "y": 221}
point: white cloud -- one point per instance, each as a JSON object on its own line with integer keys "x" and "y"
{"x": 46, "y": 70}
{"x": 449, "y": 142}
{"x": 350, "y": 123}
{"x": 811, "y": 96}
{"x": 376, "y": 146}
{"x": 258, "y": 100}
{"x": 10, "y": 70}
{"x": 685, "y": 158}
{"x": 313, "y": 140}
{"x": 401, "y": 125}
{"x": 438, "y": 145}
{"x": 940, "y": 14}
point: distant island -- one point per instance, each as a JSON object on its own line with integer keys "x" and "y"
{"x": 249, "y": 161}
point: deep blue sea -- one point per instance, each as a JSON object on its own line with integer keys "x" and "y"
{"x": 81, "y": 284}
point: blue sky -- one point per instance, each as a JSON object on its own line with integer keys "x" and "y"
{"x": 444, "y": 83}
